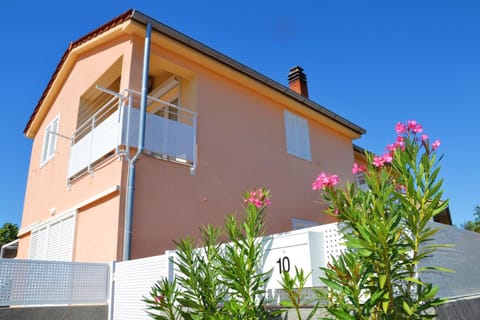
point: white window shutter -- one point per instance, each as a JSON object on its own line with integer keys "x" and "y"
{"x": 290, "y": 132}
{"x": 38, "y": 244}
{"x": 303, "y": 139}
{"x": 54, "y": 238}
{"x": 66, "y": 244}
{"x": 50, "y": 141}
{"x": 53, "y": 241}
{"x": 33, "y": 245}
{"x": 53, "y": 138}
{"x": 297, "y": 136}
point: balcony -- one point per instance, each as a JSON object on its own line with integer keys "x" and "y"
{"x": 170, "y": 133}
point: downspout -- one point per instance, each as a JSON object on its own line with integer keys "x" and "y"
{"x": 141, "y": 142}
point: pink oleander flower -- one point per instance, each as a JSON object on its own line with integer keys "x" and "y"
{"x": 435, "y": 144}
{"x": 400, "y": 143}
{"x": 357, "y": 168}
{"x": 391, "y": 147}
{"x": 414, "y": 127}
{"x": 334, "y": 180}
{"x": 424, "y": 137}
{"x": 325, "y": 180}
{"x": 387, "y": 158}
{"x": 400, "y": 128}
{"x": 258, "y": 198}
{"x": 378, "y": 161}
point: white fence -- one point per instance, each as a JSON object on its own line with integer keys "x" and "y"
{"x": 308, "y": 249}
{"x": 133, "y": 281}
{"x": 30, "y": 282}
{"x": 34, "y": 282}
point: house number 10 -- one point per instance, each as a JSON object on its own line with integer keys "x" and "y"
{"x": 283, "y": 264}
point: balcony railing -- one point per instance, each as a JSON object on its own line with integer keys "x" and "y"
{"x": 170, "y": 132}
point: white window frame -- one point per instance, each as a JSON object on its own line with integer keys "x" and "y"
{"x": 297, "y": 136}
{"x": 40, "y": 246}
{"x": 361, "y": 181}
{"x": 50, "y": 141}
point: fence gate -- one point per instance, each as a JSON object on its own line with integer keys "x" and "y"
{"x": 132, "y": 281}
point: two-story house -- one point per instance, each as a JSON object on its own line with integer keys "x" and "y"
{"x": 214, "y": 128}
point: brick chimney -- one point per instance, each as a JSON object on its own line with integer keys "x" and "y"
{"x": 297, "y": 81}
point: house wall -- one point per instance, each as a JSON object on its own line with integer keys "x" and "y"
{"x": 241, "y": 145}
{"x": 47, "y": 185}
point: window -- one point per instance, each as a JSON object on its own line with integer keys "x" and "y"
{"x": 361, "y": 181}
{"x": 302, "y": 223}
{"x": 297, "y": 136}
{"x": 168, "y": 91}
{"x": 49, "y": 141}
{"x": 53, "y": 241}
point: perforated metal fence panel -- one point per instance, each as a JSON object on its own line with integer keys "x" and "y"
{"x": 33, "y": 282}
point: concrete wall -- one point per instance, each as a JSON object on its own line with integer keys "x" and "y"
{"x": 463, "y": 259}
{"x": 55, "y": 313}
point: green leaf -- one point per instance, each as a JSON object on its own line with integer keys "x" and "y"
{"x": 406, "y": 307}
{"x": 382, "y": 278}
{"x": 342, "y": 315}
{"x": 332, "y": 285}
{"x": 385, "y": 306}
{"x": 375, "y": 297}
{"x": 364, "y": 252}
{"x": 435, "y": 268}
{"x": 431, "y": 293}
{"x": 410, "y": 279}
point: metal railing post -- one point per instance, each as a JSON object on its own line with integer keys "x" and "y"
{"x": 90, "y": 171}
{"x": 111, "y": 290}
{"x": 193, "y": 169}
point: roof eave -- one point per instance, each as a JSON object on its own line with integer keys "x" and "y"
{"x": 203, "y": 49}
{"x": 186, "y": 40}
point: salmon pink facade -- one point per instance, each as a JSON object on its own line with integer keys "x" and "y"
{"x": 214, "y": 129}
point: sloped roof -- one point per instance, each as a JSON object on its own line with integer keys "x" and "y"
{"x": 203, "y": 49}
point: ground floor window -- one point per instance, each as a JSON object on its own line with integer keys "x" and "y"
{"x": 53, "y": 240}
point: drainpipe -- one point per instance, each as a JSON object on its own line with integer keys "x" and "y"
{"x": 141, "y": 142}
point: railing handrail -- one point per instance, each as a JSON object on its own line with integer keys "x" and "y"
{"x": 163, "y": 102}
{"x": 106, "y": 107}
{"x": 110, "y": 104}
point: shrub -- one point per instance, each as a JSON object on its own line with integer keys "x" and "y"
{"x": 386, "y": 232}
{"x": 214, "y": 280}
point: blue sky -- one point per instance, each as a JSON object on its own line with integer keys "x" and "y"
{"x": 373, "y": 62}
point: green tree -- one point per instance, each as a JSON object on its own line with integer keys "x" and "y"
{"x": 475, "y": 224}
{"x": 8, "y": 233}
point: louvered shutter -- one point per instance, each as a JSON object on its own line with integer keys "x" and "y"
{"x": 38, "y": 244}
{"x": 54, "y": 238}
{"x": 290, "y": 132}
{"x": 65, "y": 247}
{"x": 303, "y": 139}
{"x": 297, "y": 136}
{"x": 54, "y": 241}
